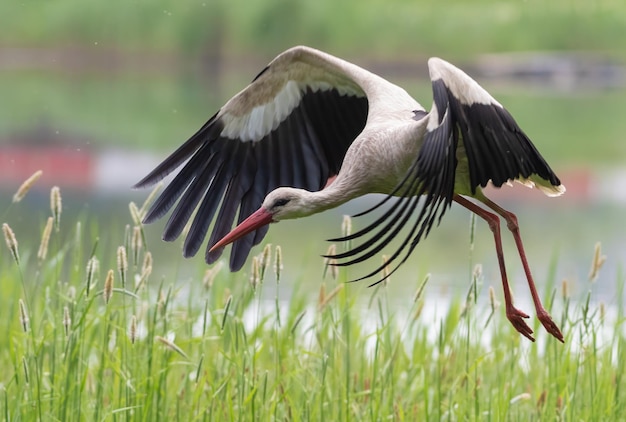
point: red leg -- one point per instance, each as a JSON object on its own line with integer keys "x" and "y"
{"x": 511, "y": 222}
{"x": 512, "y": 313}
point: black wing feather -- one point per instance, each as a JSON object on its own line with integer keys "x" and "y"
{"x": 497, "y": 149}
{"x": 209, "y": 130}
{"x": 189, "y": 201}
{"x": 230, "y": 177}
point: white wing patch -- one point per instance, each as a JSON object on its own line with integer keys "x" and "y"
{"x": 464, "y": 88}
{"x": 263, "y": 118}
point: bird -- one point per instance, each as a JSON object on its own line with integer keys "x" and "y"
{"x": 313, "y": 131}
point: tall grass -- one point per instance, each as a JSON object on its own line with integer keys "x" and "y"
{"x": 92, "y": 335}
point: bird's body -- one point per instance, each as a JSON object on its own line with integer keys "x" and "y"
{"x": 313, "y": 131}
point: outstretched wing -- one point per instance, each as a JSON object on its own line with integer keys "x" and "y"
{"x": 290, "y": 127}
{"x": 497, "y": 150}
{"x": 493, "y": 145}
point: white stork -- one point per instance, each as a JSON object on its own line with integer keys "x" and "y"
{"x": 312, "y": 131}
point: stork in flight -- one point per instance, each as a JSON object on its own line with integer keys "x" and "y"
{"x": 313, "y": 131}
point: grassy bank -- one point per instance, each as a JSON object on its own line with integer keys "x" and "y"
{"x": 93, "y": 334}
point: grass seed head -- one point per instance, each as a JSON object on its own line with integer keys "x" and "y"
{"x": 93, "y": 266}
{"x": 565, "y": 289}
{"x": 24, "y": 320}
{"x": 520, "y": 397}
{"x": 132, "y": 330}
{"x": 135, "y": 214}
{"x": 598, "y": 261}
{"x": 322, "y": 295}
{"x": 146, "y": 270}
{"x": 255, "y": 274}
{"x": 26, "y": 186}
{"x": 418, "y": 310}
{"x": 493, "y": 302}
{"x": 45, "y": 239}
{"x": 71, "y": 294}
{"x": 56, "y": 206}
{"x": 122, "y": 264}
{"x": 559, "y": 403}
{"x": 11, "y": 241}
{"x": 346, "y": 226}
{"x": 210, "y": 274}
{"x": 297, "y": 322}
{"x": 602, "y": 312}
{"x": 478, "y": 272}
{"x": 541, "y": 401}
{"x": 67, "y": 321}
{"x": 136, "y": 243}
{"x": 330, "y": 296}
{"x": 228, "y": 301}
{"x": 108, "y": 287}
{"x": 171, "y": 345}
{"x": 164, "y": 301}
{"x": 265, "y": 260}
{"x": 149, "y": 199}
{"x": 147, "y": 263}
{"x": 420, "y": 289}
{"x": 386, "y": 272}
{"x": 278, "y": 262}
{"x": 331, "y": 262}
{"x": 334, "y": 269}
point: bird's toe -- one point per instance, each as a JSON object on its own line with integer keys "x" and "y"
{"x": 550, "y": 326}
{"x": 516, "y": 317}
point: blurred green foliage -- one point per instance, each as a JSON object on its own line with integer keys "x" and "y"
{"x": 378, "y": 27}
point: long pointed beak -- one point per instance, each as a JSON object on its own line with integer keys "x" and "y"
{"x": 258, "y": 219}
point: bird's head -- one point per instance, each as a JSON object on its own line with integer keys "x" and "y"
{"x": 280, "y": 204}
{"x": 286, "y": 204}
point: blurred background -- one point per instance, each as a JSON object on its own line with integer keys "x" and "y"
{"x": 97, "y": 93}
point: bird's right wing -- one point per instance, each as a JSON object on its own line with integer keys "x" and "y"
{"x": 290, "y": 127}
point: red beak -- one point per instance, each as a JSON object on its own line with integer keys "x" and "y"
{"x": 258, "y": 219}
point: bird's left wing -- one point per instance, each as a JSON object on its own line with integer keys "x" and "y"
{"x": 497, "y": 149}
{"x": 465, "y": 123}
{"x": 290, "y": 127}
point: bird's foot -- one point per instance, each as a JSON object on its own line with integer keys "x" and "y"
{"x": 517, "y": 319}
{"x": 549, "y": 325}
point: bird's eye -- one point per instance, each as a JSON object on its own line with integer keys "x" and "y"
{"x": 280, "y": 202}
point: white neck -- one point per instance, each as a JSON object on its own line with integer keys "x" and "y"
{"x": 332, "y": 196}
{"x": 326, "y": 199}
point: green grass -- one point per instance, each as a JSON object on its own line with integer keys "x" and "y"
{"x": 228, "y": 350}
